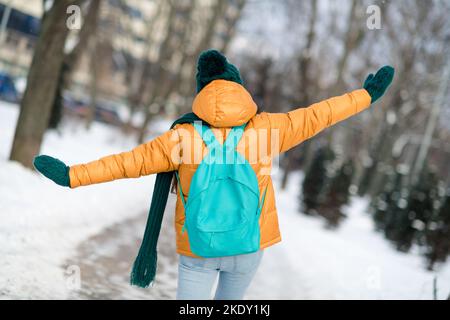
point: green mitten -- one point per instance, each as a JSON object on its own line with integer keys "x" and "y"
{"x": 53, "y": 169}
{"x": 376, "y": 85}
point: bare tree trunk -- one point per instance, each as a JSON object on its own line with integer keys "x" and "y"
{"x": 218, "y": 12}
{"x": 304, "y": 99}
{"x": 189, "y": 59}
{"x": 140, "y": 73}
{"x": 159, "y": 72}
{"x": 93, "y": 88}
{"x": 231, "y": 24}
{"x": 87, "y": 31}
{"x": 41, "y": 84}
{"x": 383, "y": 160}
{"x": 92, "y": 42}
{"x": 352, "y": 39}
{"x": 431, "y": 125}
{"x": 72, "y": 58}
{"x": 179, "y": 18}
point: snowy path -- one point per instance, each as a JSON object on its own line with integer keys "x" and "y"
{"x": 105, "y": 260}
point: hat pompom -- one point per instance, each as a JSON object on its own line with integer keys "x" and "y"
{"x": 211, "y": 63}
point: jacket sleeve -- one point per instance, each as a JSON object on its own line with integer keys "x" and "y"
{"x": 158, "y": 155}
{"x": 301, "y": 124}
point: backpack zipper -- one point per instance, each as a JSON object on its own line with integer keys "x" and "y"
{"x": 210, "y": 239}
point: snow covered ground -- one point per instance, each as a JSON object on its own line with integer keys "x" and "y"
{"x": 353, "y": 262}
{"x": 42, "y": 226}
{"x": 41, "y": 223}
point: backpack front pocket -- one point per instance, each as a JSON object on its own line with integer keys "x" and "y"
{"x": 220, "y": 220}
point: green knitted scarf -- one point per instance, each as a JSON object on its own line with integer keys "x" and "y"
{"x": 144, "y": 267}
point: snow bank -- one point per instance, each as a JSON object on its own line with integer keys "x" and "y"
{"x": 42, "y": 223}
{"x": 353, "y": 262}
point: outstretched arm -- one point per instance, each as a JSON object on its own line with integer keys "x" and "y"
{"x": 303, "y": 123}
{"x": 148, "y": 158}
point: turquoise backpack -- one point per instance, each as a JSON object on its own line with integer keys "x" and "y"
{"x": 223, "y": 208}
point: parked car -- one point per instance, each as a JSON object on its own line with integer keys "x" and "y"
{"x": 80, "y": 106}
{"x": 75, "y": 106}
{"x": 8, "y": 91}
{"x": 107, "y": 114}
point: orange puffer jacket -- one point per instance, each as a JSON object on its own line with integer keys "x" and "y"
{"x": 224, "y": 104}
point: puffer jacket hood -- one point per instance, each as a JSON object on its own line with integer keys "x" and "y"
{"x": 224, "y": 103}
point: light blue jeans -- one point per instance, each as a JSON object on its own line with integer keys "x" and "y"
{"x": 197, "y": 276}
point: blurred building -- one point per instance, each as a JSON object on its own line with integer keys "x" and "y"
{"x": 19, "y": 27}
{"x": 134, "y": 34}
{"x": 122, "y": 33}
{"x": 121, "y": 40}
{"x": 130, "y": 34}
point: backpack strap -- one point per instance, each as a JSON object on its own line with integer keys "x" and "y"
{"x": 181, "y": 190}
{"x": 263, "y": 200}
{"x": 207, "y": 135}
{"x": 234, "y": 136}
{"x": 182, "y": 200}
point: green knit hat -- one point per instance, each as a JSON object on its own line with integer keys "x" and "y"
{"x": 213, "y": 65}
